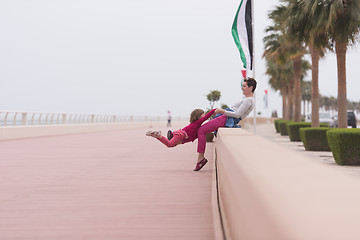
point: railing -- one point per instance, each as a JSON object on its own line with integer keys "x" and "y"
{"x": 40, "y": 118}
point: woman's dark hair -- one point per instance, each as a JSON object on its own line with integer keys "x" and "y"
{"x": 251, "y": 82}
{"x": 196, "y": 115}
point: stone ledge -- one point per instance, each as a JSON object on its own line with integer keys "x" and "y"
{"x": 270, "y": 192}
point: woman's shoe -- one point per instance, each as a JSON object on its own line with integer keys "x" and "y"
{"x": 200, "y": 164}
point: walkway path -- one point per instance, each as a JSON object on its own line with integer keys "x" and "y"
{"x": 325, "y": 157}
{"x": 108, "y": 185}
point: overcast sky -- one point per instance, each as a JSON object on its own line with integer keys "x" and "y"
{"x": 132, "y": 57}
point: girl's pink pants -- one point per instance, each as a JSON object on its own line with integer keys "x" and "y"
{"x": 178, "y": 136}
{"x": 209, "y": 127}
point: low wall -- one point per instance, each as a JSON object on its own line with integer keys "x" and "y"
{"x": 15, "y": 132}
{"x": 259, "y": 120}
{"x": 267, "y": 191}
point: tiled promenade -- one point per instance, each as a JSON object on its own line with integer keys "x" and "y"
{"x": 107, "y": 185}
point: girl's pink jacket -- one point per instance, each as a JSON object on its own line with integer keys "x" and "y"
{"x": 192, "y": 128}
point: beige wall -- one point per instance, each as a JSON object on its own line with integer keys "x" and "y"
{"x": 259, "y": 120}
{"x": 270, "y": 192}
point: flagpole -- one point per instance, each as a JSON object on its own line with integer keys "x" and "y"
{"x": 253, "y": 57}
{"x": 243, "y": 43}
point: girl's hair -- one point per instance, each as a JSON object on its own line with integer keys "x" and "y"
{"x": 196, "y": 115}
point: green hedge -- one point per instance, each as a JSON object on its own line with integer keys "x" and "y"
{"x": 282, "y": 126}
{"x": 276, "y": 123}
{"x": 314, "y": 138}
{"x": 293, "y": 129}
{"x": 345, "y": 145}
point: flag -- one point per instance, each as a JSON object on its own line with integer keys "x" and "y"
{"x": 266, "y": 99}
{"x": 243, "y": 73}
{"x": 242, "y": 33}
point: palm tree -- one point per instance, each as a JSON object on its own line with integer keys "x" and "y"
{"x": 351, "y": 105}
{"x": 274, "y": 63}
{"x": 302, "y": 27}
{"x": 333, "y": 104}
{"x": 279, "y": 80}
{"x": 341, "y": 19}
{"x": 281, "y": 74}
{"x": 280, "y": 50}
{"x": 305, "y": 93}
{"x": 344, "y": 32}
{"x": 326, "y": 103}
{"x": 294, "y": 50}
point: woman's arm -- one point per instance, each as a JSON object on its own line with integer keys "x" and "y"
{"x": 243, "y": 108}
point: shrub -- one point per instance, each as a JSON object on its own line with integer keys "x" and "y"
{"x": 282, "y": 127}
{"x": 345, "y": 145}
{"x": 314, "y": 138}
{"x": 293, "y": 129}
{"x": 276, "y": 123}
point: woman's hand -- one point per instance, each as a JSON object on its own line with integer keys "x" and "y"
{"x": 219, "y": 111}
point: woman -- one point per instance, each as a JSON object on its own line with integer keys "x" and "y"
{"x": 240, "y": 110}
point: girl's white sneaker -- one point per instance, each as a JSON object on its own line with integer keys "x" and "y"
{"x": 155, "y": 134}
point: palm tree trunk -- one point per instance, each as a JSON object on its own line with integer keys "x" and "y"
{"x": 304, "y": 105}
{"x": 297, "y": 89}
{"x": 289, "y": 103}
{"x": 293, "y": 100}
{"x": 308, "y": 106}
{"x": 340, "y": 49}
{"x": 284, "y": 99}
{"x": 315, "y": 55}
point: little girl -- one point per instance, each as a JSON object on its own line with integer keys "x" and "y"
{"x": 188, "y": 133}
